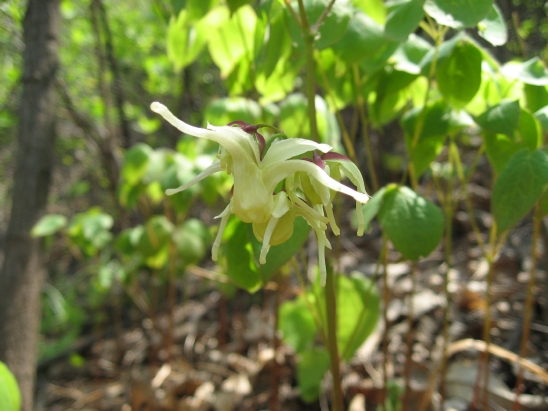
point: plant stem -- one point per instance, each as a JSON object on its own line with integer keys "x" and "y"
{"x": 528, "y": 314}
{"x": 331, "y": 310}
{"x": 308, "y": 37}
{"x": 365, "y": 127}
{"x": 385, "y": 302}
{"x": 409, "y": 337}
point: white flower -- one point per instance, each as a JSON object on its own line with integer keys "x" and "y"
{"x": 257, "y": 174}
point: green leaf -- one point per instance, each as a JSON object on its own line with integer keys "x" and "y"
{"x": 333, "y": 27}
{"x": 197, "y": 9}
{"x": 519, "y": 186}
{"x": 542, "y": 116}
{"x": 458, "y": 13}
{"x": 372, "y": 207}
{"x": 135, "y": 163}
{"x": 297, "y": 324}
{"x": 363, "y": 38}
{"x": 412, "y": 223}
{"x": 311, "y": 367}
{"x": 234, "y": 5}
{"x": 409, "y": 55}
{"x": 48, "y": 225}
{"x": 403, "y": 18}
{"x": 230, "y": 39}
{"x": 154, "y": 241}
{"x": 191, "y": 240}
{"x": 373, "y": 8}
{"x": 529, "y": 130}
{"x": 280, "y": 254}
{"x": 444, "y": 51}
{"x": 221, "y": 111}
{"x": 459, "y": 76}
{"x": 439, "y": 120}
{"x": 502, "y": 118}
{"x": 530, "y": 72}
{"x": 10, "y": 396}
{"x": 241, "y": 267}
{"x": 358, "y": 308}
{"x": 185, "y": 40}
{"x": 294, "y": 119}
{"x": 499, "y": 149}
{"x": 493, "y": 27}
{"x": 536, "y": 97}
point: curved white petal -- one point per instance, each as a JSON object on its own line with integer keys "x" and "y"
{"x": 282, "y": 150}
{"x": 277, "y": 172}
{"x": 266, "y": 239}
{"x": 224, "y": 220}
{"x": 332, "y": 222}
{"x": 355, "y": 176}
{"x": 237, "y": 134}
{"x": 236, "y": 143}
{"x": 215, "y": 167}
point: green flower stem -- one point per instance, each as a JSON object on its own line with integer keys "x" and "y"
{"x": 409, "y": 337}
{"x": 385, "y": 301}
{"x": 308, "y": 37}
{"x": 348, "y": 143}
{"x": 365, "y": 125}
{"x": 422, "y": 115}
{"x": 332, "y": 347}
{"x": 528, "y": 314}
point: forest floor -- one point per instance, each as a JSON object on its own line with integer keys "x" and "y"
{"x": 225, "y": 354}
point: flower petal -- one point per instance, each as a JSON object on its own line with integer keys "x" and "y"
{"x": 224, "y": 219}
{"x": 237, "y": 142}
{"x": 282, "y": 150}
{"x": 278, "y": 172}
{"x": 215, "y": 167}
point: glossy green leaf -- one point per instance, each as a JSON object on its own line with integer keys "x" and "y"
{"x": 191, "y": 239}
{"x": 444, "y": 52}
{"x": 241, "y": 266}
{"x": 535, "y": 96}
{"x": 312, "y": 365}
{"x": 530, "y": 72}
{"x": 403, "y": 18}
{"x": 197, "y": 9}
{"x": 280, "y": 254}
{"x": 230, "y": 39}
{"x": 358, "y": 309}
{"x": 493, "y": 27}
{"x": 333, "y": 27}
{"x": 458, "y": 13}
{"x": 372, "y": 207}
{"x": 185, "y": 40}
{"x": 234, "y": 5}
{"x": 222, "y": 111}
{"x": 542, "y": 116}
{"x": 153, "y": 244}
{"x": 501, "y": 119}
{"x": 363, "y": 38}
{"x": 529, "y": 130}
{"x": 293, "y": 119}
{"x": 409, "y": 54}
{"x": 90, "y": 230}
{"x": 375, "y": 9}
{"x": 10, "y": 396}
{"x": 296, "y": 322}
{"x": 519, "y": 186}
{"x": 48, "y": 225}
{"x": 135, "y": 163}
{"x": 499, "y": 149}
{"x": 412, "y": 223}
{"x": 439, "y": 120}
{"x": 459, "y": 76}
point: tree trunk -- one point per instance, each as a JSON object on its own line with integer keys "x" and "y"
{"x": 21, "y": 274}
